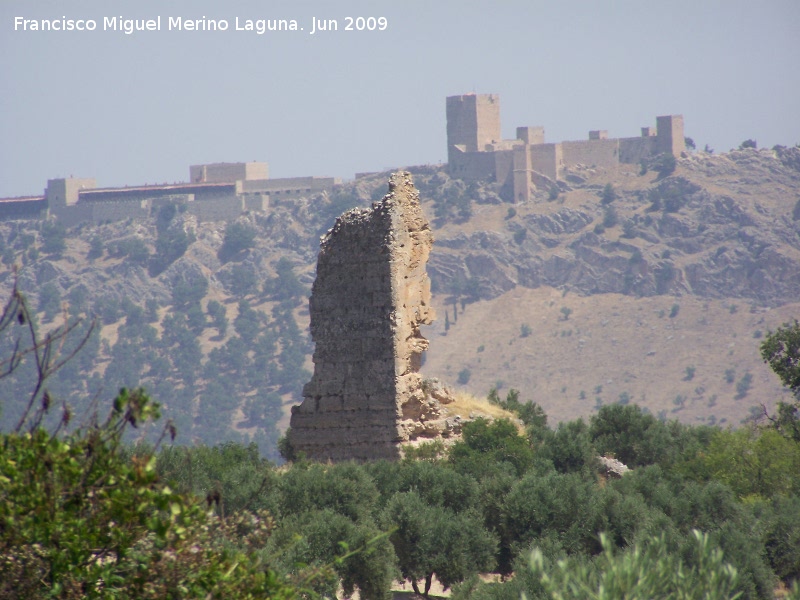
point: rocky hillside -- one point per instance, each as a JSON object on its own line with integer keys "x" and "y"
{"x": 718, "y": 227}
{"x": 611, "y": 286}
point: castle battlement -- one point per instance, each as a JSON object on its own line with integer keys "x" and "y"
{"x": 476, "y": 150}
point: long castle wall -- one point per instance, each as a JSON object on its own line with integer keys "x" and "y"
{"x": 547, "y": 159}
{"x": 597, "y": 153}
{"x": 118, "y": 210}
{"x": 471, "y": 166}
{"x": 32, "y": 207}
{"x": 633, "y": 150}
{"x": 219, "y": 207}
{"x": 368, "y": 301}
{"x": 289, "y": 187}
{"x": 72, "y": 215}
{"x": 503, "y": 165}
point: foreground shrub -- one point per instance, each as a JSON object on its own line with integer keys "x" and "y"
{"x": 643, "y": 572}
{"x": 78, "y": 519}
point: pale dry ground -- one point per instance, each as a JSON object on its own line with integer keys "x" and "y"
{"x": 612, "y": 343}
{"x": 467, "y": 406}
{"x": 403, "y": 591}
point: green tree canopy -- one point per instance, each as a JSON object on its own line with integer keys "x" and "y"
{"x": 80, "y": 518}
{"x": 54, "y": 237}
{"x": 432, "y": 540}
{"x": 487, "y": 446}
{"x": 781, "y": 351}
{"x": 239, "y": 236}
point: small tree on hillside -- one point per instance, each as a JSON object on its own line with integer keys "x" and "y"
{"x": 95, "y": 248}
{"x": 610, "y": 218}
{"x": 743, "y": 386}
{"x": 629, "y": 229}
{"x": 186, "y": 292}
{"x": 218, "y": 317}
{"x": 78, "y": 298}
{"x": 609, "y": 194}
{"x": 238, "y": 237}
{"x": 285, "y": 285}
{"x": 49, "y": 300}
{"x": 54, "y": 237}
{"x": 665, "y": 164}
{"x": 781, "y": 351}
{"x": 171, "y": 244}
{"x": 243, "y": 280}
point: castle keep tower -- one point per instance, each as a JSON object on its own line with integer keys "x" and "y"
{"x": 369, "y": 299}
{"x": 670, "y": 135}
{"x": 472, "y": 122}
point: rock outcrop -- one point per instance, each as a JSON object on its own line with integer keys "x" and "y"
{"x": 370, "y": 297}
{"x": 611, "y": 467}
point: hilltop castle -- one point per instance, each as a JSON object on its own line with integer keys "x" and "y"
{"x": 476, "y": 150}
{"x": 217, "y": 191}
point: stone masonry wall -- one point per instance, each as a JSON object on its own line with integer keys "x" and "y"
{"x": 633, "y": 150}
{"x": 472, "y": 121}
{"x": 369, "y": 299}
{"x": 228, "y": 172}
{"x": 22, "y": 208}
{"x": 111, "y": 210}
{"x": 598, "y": 153}
{"x": 547, "y": 159}
{"x": 222, "y": 207}
{"x": 471, "y": 166}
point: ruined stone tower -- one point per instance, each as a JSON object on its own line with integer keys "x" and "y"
{"x": 369, "y": 299}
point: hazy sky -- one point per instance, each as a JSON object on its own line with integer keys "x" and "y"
{"x": 140, "y": 108}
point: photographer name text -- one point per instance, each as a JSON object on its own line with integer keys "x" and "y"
{"x": 311, "y": 26}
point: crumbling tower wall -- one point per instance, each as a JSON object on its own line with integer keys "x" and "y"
{"x": 369, "y": 299}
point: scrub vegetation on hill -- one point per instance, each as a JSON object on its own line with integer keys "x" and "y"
{"x": 211, "y": 317}
{"x": 91, "y": 512}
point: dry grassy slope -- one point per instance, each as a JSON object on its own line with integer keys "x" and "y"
{"x": 620, "y": 343}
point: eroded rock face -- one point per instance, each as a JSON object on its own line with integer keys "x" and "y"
{"x": 370, "y": 297}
